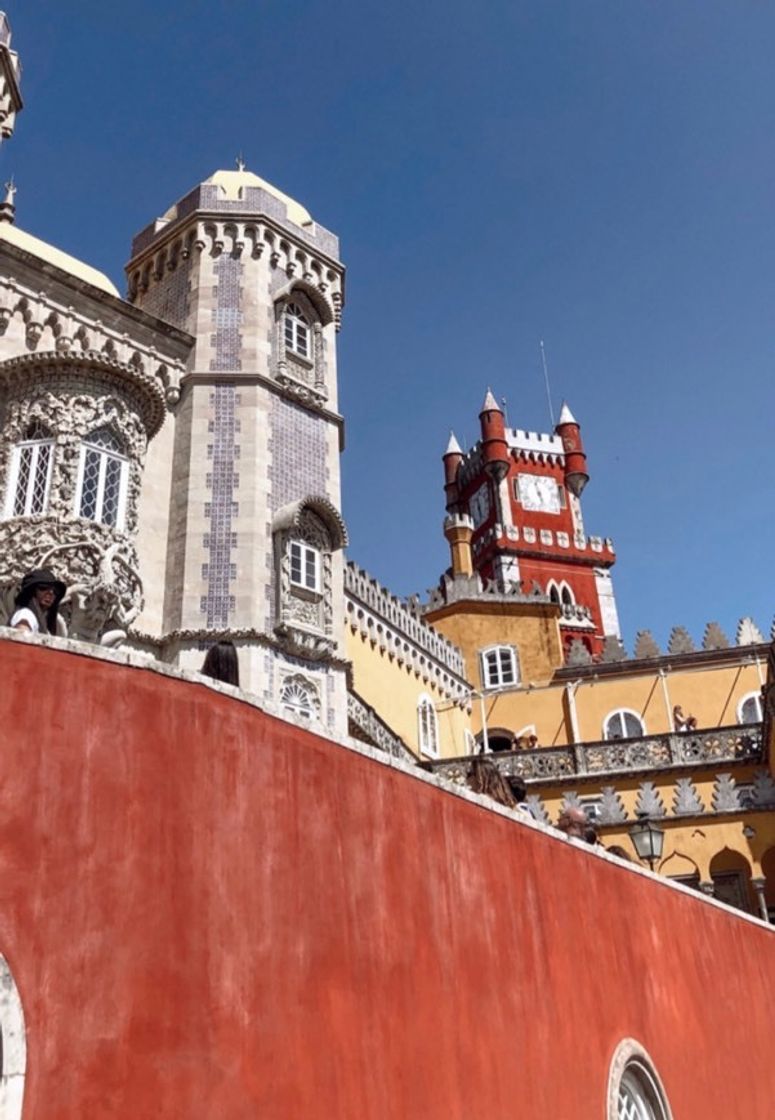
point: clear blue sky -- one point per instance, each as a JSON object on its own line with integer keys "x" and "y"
{"x": 598, "y": 173}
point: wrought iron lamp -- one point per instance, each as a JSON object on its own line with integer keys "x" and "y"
{"x": 647, "y": 839}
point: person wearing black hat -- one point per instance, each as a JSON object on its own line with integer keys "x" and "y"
{"x": 37, "y": 604}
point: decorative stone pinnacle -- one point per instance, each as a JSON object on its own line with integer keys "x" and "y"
{"x": 566, "y": 416}
{"x": 7, "y": 207}
{"x": 240, "y": 162}
{"x": 453, "y": 447}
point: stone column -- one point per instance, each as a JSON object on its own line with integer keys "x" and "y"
{"x": 758, "y": 885}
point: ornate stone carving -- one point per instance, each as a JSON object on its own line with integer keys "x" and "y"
{"x": 686, "y": 799}
{"x": 680, "y": 641}
{"x": 726, "y": 799}
{"x": 649, "y": 801}
{"x": 763, "y": 790}
{"x": 578, "y": 654}
{"x": 611, "y": 806}
{"x": 714, "y": 637}
{"x": 365, "y": 725}
{"x": 645, "y": 646}
{"x": 537, "y": 808}
{"x": 104, "y": 593}
{"x": 748, "y": 633}
{"x": 613, "y": 650}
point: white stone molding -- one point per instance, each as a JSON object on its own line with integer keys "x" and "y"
{"x": 13, "y": 1048}
{"x": 631, "y": 1057}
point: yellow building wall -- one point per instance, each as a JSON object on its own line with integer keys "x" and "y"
{"x": 394, "y": 689}
{"x": 532, "y": 629}
{"x": 711, "y": 694}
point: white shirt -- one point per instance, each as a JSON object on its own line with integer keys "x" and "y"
{"x": 24, "y": 614}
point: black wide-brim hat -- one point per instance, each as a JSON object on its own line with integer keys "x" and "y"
{"x": 39, "y": 577}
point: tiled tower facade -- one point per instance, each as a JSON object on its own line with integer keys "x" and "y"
{"x": 514, "y": 519}
{"x": 251, "y": 529}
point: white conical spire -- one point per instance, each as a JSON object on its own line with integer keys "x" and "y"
{"x": 490, "y": 403}
{"x": 453, "y": 447}
{"x": 566, "y": 416}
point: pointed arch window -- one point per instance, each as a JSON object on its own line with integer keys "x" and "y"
{"x": 102, "y": 480}
{"x": 29, "y": 480}
{"x": 296, "y": 331}
{"x": 427, "y": 726}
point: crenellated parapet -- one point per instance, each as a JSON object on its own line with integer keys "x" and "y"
{"x": 398, "y": 629}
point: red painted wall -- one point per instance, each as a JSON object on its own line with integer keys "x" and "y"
{"x": 210, "y": 914}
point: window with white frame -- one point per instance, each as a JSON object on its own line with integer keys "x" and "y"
{"x": 29, "y": 480}
{"x": 554, "y": 591}
{"x": 296, "y": 331}
{"x": 567, "y": 595}
{"x": 749, "y": 709}
{"x": 639, "y": 1097}
{"x": 305, "y": 566}
{"x": 499, "y": 667}
{"x": 427, "y": 726}
{"x": 623, "y": 724}
{"x": 102, "y": 479}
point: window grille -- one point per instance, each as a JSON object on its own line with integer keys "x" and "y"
{"x": 296, "y": 330}
{"x": 499, "y": 667}
{"x": 305, "y": 566}
{"x": 30, "y": 478}
{"x": 428, "y": 731}
{"x": 623, "y": 724}
{"x": 101, "y": 490}
{"x": 298, "y": 699}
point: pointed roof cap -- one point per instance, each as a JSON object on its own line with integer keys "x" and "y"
{"x": 490, "y": 403}
{"x": 566, "y": 416}
{"x": 453, "y": 447}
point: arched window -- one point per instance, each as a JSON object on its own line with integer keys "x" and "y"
{"x": 554, "y": 591}
{"x": 299, "y": 698}
{"x": 635, "y": 1091}
{"x": 29, "y": 479}
{"x": 567, "y": 595}
{"x": 623, "y": 724}
{"x": 499, "y": 667}
{"x": 427, "y": 726}
{"x": 296, "y": 331}
{"x": 13, "y": 1047}
{"x": 749, "y": 709}
{"x": 102, "y": 479}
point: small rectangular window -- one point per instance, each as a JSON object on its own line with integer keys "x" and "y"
{"x": 305, "y": 566}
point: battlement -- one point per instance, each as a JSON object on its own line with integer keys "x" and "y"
{"x": 399, "y": 628}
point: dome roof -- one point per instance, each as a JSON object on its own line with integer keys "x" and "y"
{"x": 233, "y": 183}
{"x": 45, "y": 252}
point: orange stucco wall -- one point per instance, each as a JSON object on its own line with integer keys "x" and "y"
{"x": 210, "y": 913}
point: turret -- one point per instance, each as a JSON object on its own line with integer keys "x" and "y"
{"x": 576, "y": 475}
{"x": 458, "y": 529}
{"x": 495, "y": 449}
{"x": 452, "y": 457}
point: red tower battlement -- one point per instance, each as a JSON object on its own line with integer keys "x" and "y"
{"x": 522, "y": 491}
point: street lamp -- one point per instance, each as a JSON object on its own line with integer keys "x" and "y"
{"x": 647, "y": 839}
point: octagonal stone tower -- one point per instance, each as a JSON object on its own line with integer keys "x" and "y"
{"x": 250, "y": 512}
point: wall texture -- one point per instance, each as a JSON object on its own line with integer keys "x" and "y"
{"x": 210, "y": 913}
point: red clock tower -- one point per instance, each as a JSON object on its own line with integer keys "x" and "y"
{"x": 518, "y": 493}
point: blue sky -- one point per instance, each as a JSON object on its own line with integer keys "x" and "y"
{"x": 597, "y": 174}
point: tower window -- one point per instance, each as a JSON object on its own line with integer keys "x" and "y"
{"x": 305, "y": 566}
{"x": 30, "y": 476}
{"x": 102, "y": 480}
{"x": 298, "y": 698}
{"x": 623, "y": 724}
{"x": 499, "y": 667}
{"x": 296, "y": 331}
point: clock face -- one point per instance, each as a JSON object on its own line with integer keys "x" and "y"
{"x": 539, "y": 493}
{"x": 480, "y": 505}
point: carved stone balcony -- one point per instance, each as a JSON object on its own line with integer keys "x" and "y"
{"x": 739, "y": 743}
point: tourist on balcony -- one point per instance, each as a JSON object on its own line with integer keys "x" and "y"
{"x": 37, "y": 604}
{"x": 682, "y": 722}
{"x": 221, "y": 663}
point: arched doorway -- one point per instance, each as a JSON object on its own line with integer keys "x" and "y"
{"x": 731, "y": 875}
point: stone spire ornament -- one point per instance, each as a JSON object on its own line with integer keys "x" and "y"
{"x": 8, "y": 205}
